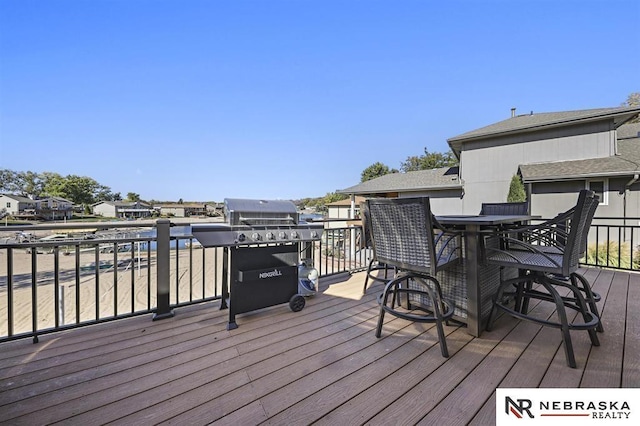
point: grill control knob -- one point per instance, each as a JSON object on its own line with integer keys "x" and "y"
{"x": 241, "y": 237}
{"x": 255, "y": 236}
{"x": 270, "y": 236}
{"x": 282, "y": 235}
{"x": 294, "y": 234}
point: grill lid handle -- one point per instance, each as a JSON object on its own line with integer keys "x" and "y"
{"x": 248, "y": 220}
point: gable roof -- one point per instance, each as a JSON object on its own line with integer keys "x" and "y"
{"x": 58, "y": 199}
{"x": 19, "y": 198}
{"x": 631, "y": 130}
{"x": 533, "y": 122}
{"x": 347, "y": 202}
{"x": 625, "y": 163}
{"x": 421, "y": 180}
{"x": 123, "y": 203}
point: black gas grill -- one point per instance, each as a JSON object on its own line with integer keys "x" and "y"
{"x": 263, "y": 239}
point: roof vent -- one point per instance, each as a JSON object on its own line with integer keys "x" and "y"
{"x": 513, "y": 112}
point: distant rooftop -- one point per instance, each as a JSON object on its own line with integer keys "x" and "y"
{"x": 421, "y": 180}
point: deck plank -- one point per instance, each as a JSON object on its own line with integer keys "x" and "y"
{"x": 322, "y": 365}
{"x": 631, "y": 365}
{"x": 605, "y": 361}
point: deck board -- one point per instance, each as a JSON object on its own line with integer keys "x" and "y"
{"x": 322, "y": 365}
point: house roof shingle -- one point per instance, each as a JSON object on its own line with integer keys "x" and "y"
{"x": 20, "y": 198}
{"x": 631, "y": 130}
{"x": 434, "y": 179}
{"x": 626, "y": 162}
{"x": 346, "y": 202}
{"x": 531, "y": 122}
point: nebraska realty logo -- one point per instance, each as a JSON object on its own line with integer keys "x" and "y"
{"x": 572, "y": 406}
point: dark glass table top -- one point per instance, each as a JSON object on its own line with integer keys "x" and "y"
{"x": 483, "y": 219}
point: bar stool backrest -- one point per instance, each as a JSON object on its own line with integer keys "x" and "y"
{"x": 402, "y": 233}
{"x": 365, "y": 216}
{"x": 580, "y": 223}
{"x": 505, "y": 208}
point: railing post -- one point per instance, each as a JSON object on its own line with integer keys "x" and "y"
{"x": 163, "y": 258}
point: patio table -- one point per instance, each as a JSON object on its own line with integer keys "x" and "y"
{"x": 471, "y": 284}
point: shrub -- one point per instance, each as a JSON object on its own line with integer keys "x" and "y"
{"x": 611, "y": 254}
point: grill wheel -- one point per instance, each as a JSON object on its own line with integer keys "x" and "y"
{"x": 296, "y": 303}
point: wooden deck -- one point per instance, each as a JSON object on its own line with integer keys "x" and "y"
{"x": 322, "y": 365}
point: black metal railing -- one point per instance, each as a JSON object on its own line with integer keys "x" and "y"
{"x": 103, "y": 272}
{"x": 112, "y": 271}
{"x": 614, "y": 243}
{"x": 55, "y": 283}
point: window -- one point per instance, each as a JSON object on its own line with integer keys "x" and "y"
{"x": 601, "y": 188}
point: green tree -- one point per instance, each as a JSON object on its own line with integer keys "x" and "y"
{"x": 32, "y": 184}
{"x": 54, "y": 185}
{"x": 517, "y": 194}
{"x": 26, "y": 184}
{"x": 321, "y": 203}
{"x": 132, "y": 196}
{"x": 375, "y": 170}
{"x": 104, "y": 194}
{"x": 633, "y": 100}
{"x": 79, "y": 189}
{"x": 430, "y": 160}
{"x": 10, "y": 182}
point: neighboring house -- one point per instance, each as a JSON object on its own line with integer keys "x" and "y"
{"x": 181, "y": 209}
{"x": 442, "y": 185}
{"x": 55, "y": 208}
{"x": 342, "y": 210}
{"x": 538, "y": 145}
{"x": 52, "y": 208}
{"x": 613, "y": 178}
{"x": 17, "y": 205}
{"x": 123, "y": 209}
{"x": 555, "y": 153}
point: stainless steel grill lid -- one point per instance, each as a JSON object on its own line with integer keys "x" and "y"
{"x": 240, "y": 211}
{"x": 257, "y": 222}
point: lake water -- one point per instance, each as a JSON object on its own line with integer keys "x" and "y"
{"x": 175, "y": 231}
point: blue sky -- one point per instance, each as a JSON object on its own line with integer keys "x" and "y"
{"x": 203, "y": 100}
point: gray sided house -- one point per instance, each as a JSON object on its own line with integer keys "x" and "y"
{"x": 182, "y": 209}
{"x": 55, "y": 208}
{"x": 614, "y": 178}
{"x": 442, "y": 185}
{"x": 557, "y": 154}
{"x": 123, "y": 209}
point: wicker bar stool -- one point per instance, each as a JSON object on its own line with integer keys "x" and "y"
{"x": 543, "y": 260}
{"x": 551, "y": 238}
{"x": 367, "y": 242}
{"x": 405, "y": 236}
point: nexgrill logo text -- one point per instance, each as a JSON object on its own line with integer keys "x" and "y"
{"x": 270, "y": 274}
